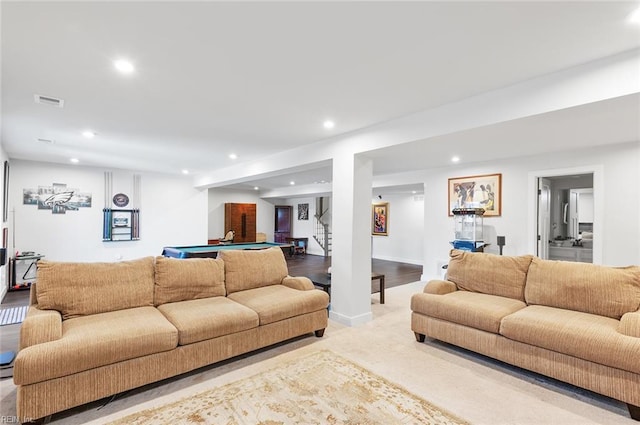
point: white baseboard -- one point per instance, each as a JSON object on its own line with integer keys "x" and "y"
{"x": 350, "y": 320}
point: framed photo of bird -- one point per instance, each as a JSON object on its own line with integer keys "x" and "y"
{"x": 57, "y": 198}
{"x": 483, "y": 191}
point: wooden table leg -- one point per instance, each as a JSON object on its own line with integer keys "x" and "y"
{"x": 382, "y": 290}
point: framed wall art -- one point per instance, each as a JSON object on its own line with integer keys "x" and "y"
{"x": 303, "y": 211}
{"x": 380, "y": 219}
{"x": 484, "y": 191}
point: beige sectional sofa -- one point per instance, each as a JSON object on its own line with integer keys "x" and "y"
{"x": 575, "y": 322}
{"x": 97, "y": 329}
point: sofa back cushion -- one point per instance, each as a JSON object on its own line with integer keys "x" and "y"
{"x": 248, "y": 269}
{"x": 188, "y": 279}
{"x": 81, "y": 289}
{"x": 589, "y": 288}
{"x": 488, "y": 273}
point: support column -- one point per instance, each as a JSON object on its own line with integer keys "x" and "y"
{"x": 351, "y": 250}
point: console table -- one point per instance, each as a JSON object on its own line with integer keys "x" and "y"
{"x": 26, "y": 275}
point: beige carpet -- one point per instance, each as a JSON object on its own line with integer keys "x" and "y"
{"x": 319, "y": 388}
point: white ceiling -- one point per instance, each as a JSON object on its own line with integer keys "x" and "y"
{"x": 255, "y": 79}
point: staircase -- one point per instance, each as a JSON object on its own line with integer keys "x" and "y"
{"x": 322, "y": 232}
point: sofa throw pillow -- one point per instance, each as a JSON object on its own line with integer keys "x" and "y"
{"x": 489, "y": 273}
{"x": 589, "y": 288}
{"x": 81, "y": 289}
{"x": 188, "y": 279}
{"x": 248, "y": 269}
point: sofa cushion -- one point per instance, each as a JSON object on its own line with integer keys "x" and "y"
{"x": 248, "y": 269}
{"x": 188, "y": 279}
{"x": 489, "y": 273}
{"x": 590, "y": 288}
{"x": 207, "y": 318}
{"x": 278, "y": 302}
{"x": 479, "y": 311}
{"x": 80, "y": 289}
{"x": 587, "y": 336}
{"x": 92, "y": 341}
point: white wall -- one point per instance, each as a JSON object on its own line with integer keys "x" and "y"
{"x": 172, "y": 212}
{"x": 405, "y": 240}
{"x": 217, "y": 197}
{"x": 621, "y": 203}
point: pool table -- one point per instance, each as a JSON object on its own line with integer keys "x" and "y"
{"x": 211, "y": 251}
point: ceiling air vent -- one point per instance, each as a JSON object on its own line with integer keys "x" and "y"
{"x": 48, "y": 100}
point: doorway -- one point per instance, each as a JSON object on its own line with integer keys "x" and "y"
{"x": 282, "y": 227}
{"x": 567, "y": 217}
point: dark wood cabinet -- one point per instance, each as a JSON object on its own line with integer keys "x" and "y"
{"x": 241, "y": 218}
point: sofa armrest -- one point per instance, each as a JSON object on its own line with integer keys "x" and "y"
{"x": 630, "y": 324}
{"x": 298, "y": 282}
{"x": 40, "y": 326}
{"x": 439, "y": 287}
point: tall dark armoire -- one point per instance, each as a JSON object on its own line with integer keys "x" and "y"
{"x": 241, "y": 218}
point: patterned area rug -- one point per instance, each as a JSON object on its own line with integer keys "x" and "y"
{"x": 13, "y": 315}
{"x": 320, "y": 388}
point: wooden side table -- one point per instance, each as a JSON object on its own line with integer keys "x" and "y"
{"x": 323, "y": 280}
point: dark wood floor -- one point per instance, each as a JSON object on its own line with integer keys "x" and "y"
{"x": 395, "y": 274}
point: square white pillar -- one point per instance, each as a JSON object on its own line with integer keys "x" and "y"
{"x": 351, "y": 252}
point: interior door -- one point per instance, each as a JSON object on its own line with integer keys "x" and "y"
{"x": 544, "y": 217}
{"x": 282, "y": 229}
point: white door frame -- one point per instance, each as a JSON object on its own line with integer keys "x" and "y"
{"x": 544, "y": 229}
{"x": 598, "y": 204}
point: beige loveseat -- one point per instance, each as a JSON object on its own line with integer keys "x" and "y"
{"x": 576, "y": 322}
{"x": 97, "y": 329}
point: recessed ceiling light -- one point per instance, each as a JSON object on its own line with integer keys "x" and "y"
{"x": 414, "y": 192}
{"x": 634, "y": 18}
{"x": 292, "y": 182}
{"x": 233, "y": 156}
{"x": 328, "y": 124}
{"x": 455, "y": 159}
{"x": 256, "y": 188}
{"x": 74, "y": 160}
{"x": 185, "y": 171}
{"x": 124, "y": 66}
{"x": 89, "y": 134}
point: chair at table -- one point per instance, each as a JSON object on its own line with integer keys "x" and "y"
{"x": 299, "y": 248}
{"x": 229, "y": 236}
